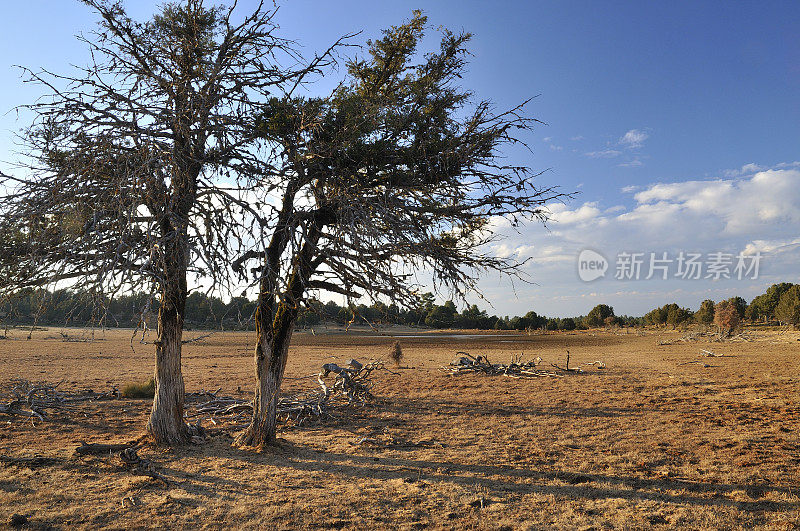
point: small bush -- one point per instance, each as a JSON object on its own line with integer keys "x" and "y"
{"x": 396, "y": 353}
{"x": 139, "y": 390}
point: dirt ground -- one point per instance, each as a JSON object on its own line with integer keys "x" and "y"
{"x": 659, "y": 438}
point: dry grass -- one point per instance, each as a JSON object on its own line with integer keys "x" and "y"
{"x": 650, "y": 441}
{"x": 396, "y": 353}
{"x": 139, "y": 389}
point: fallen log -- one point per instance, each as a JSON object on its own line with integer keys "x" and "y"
{"x": 14, "y": 408}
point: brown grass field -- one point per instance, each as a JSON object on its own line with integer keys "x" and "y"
{"x": 650, "y": 441}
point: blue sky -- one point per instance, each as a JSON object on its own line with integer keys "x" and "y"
{"x": 701, "y": 97}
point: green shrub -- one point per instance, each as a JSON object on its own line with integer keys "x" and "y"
{"x": 788, "y": 309}
{"x": 139, "y": 390}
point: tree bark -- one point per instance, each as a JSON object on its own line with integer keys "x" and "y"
{"x": 271, "y": 353}
{"x": 166, "y": 424}
{"x": 274, "y": 326}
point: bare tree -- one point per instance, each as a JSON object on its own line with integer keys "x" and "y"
{"x": 137, "y": 161}
{"x": 396, "y": 173}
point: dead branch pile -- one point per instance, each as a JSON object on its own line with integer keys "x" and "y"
{"x": 128, "y": 457}
{"x": 691, "y": 336}
{"x": 33, "y": 400}
{"x": 338, "y": 387}
{"x": 465, "y": 363}
{"x": 713, "y": 336}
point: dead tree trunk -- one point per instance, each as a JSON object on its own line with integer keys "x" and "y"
{"x": 166, "y": 424}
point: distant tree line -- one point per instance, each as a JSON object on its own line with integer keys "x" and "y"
{"x": 68, "y": 308}
{"x": 780, "y": 303}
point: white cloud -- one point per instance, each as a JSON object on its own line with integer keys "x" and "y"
{"x": 635, "y": 163}
{"x": 750, "y": 168}
{"x": 633, "y": 139}
{"x": 756, "y": 213}
{"x": 564, "y": 216}
{"x": 747, "y": 169}
{"x": 771, "y": 246}
{"x": 769, "y": 197}
{"x": 604, "y": 154}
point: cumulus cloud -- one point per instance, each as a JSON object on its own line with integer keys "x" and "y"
{"x": 759, "y": 213}
{"x": 563, "y": 216}
{"x": 767, "y": 198}
{"x": 767, "y": 203}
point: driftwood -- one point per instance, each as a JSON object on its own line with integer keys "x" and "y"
{"x": 139, "y": 466}
{"x": 691, "y": 336}
{"x": 704, "y": 364}
{"x": 197, "y": 339}
{"x": 717, "y": 337}
{"x": 466, "y": 363}
{"x": 338, "y": 387}
{"x": 76, "y": 339}
{"x": 33, "y": 400}
{"x": 14, "y": 408}
{"x": 128, "y": 456}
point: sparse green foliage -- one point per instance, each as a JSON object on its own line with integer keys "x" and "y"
{"x": 598, "y": 315}
{"x": 670, "y": 314}
{"x": 763, "y": 306}
{"x": 705, "y": 315}
{"x": 788, "y": 308}
{"x": 398, "y": 169}
{"x": 740, "y": 305}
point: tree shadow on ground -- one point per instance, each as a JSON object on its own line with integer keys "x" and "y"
{"x": 508, "y": 480}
